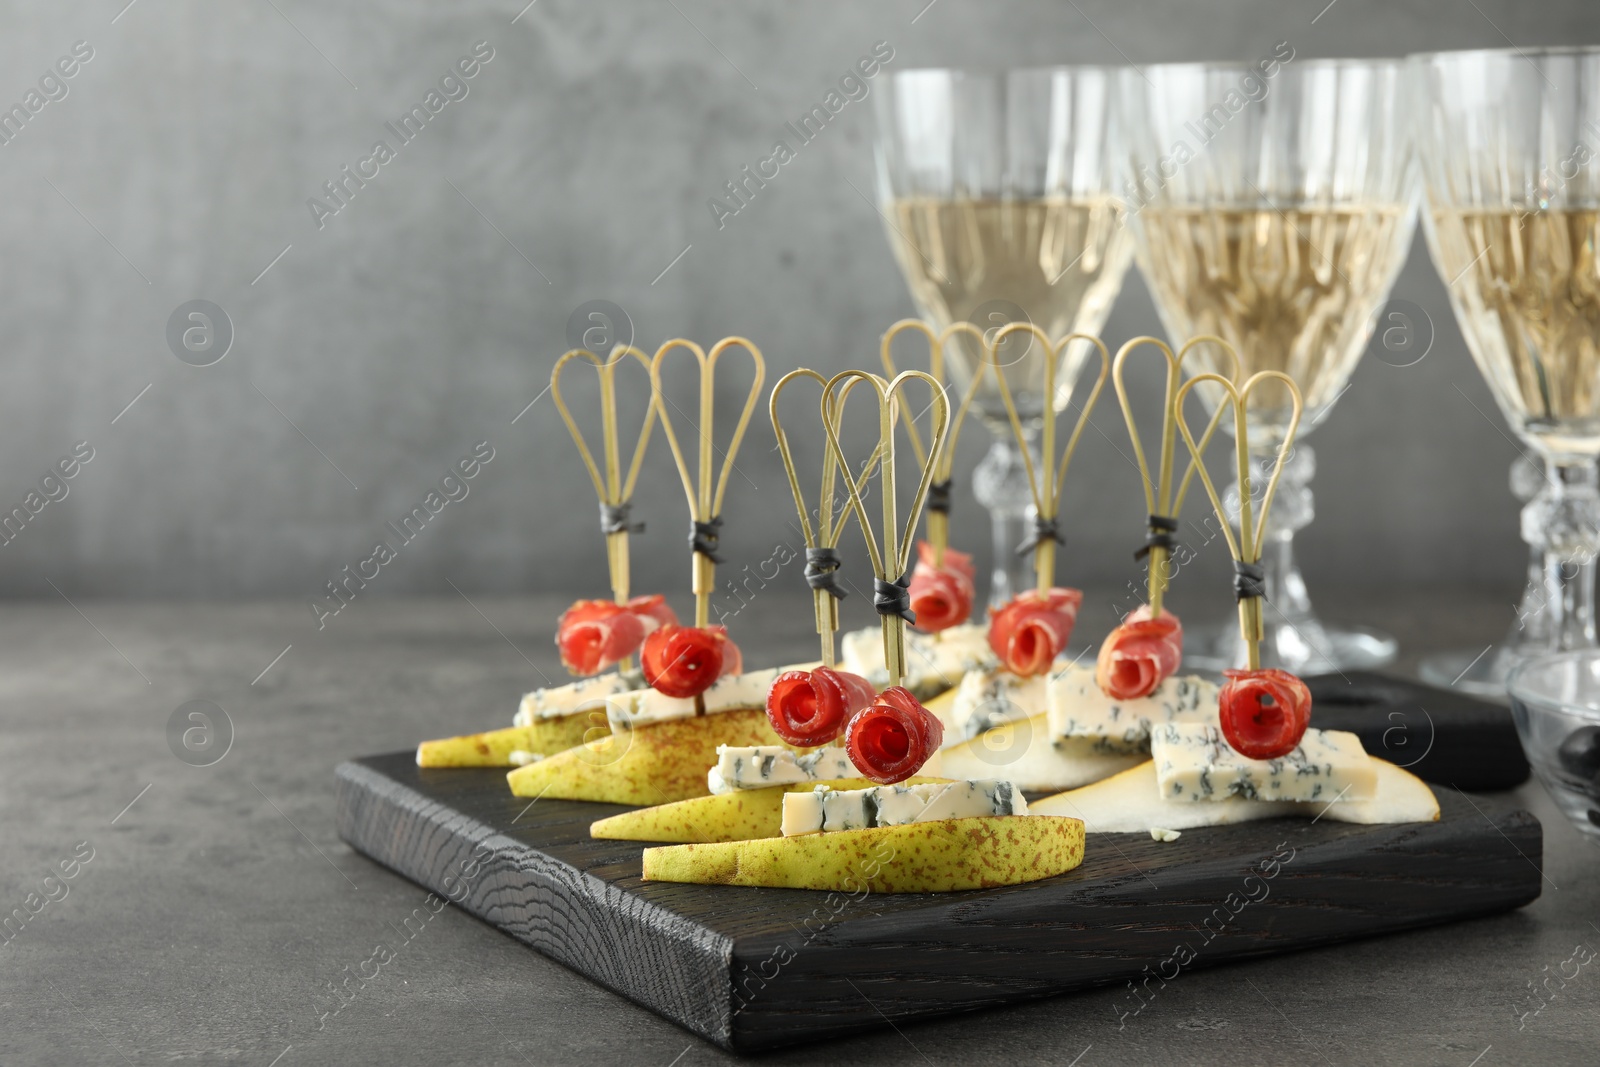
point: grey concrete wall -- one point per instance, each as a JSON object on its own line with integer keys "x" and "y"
{"x": 424, "y": 316}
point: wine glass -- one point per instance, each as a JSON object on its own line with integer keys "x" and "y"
{"x": 1511, "y": 166}
{"x": 1271, "y": 205}
{"x": 996, "y": 194}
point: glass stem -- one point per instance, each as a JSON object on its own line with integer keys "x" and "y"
{"x": 1001, "y": 485}
{"x": 1564, "y": 521}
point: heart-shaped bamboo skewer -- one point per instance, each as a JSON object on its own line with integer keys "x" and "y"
{"x": 891, "y": 562}
{"x": 823, "y": 538}
{"x": 613, "y": 488}
{"x": 1246, "y": 547}
{"x": 705, "y": 490}
{"x": 1046, "y": 495}
{"x": 1162, "y": 505}
{"x": 938, "y": 505}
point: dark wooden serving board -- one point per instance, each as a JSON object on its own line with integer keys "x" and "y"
{"x": 1442, "y": 736}
{"x": 759, "y": 968}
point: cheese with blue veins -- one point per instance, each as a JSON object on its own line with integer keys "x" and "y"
{"x": 731, "y": 692}
{"x": 1079, "y": 708}
{"x": 558, "y": 701}
{"x": 759, "y": 766}
{"x": 827, "y": 810}
{"x": 1194, "y": 762}
{"x": 989, "y": 698}
{"x": 934, "y": 662}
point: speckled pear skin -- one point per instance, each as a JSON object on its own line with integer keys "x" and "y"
{"x": 741, "y": 815}
{"x": 931, "y": 857}
{"x": 654, "y": 764}
{"x": 493, "y": 748}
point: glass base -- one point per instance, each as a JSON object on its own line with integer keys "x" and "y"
{"x": 1481, "y": 672}
{"x": 1335, "y": 648}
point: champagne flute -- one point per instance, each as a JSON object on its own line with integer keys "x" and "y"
{"x": 1511, "y": 170}
{"x": 996, "y": 194}
{"x": 1271, "y": 205}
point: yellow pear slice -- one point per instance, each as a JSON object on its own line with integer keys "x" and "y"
{"x": 1023, "y": 752}
{"x": 737, "y": 816}
{"x": 493, "y": 748}
{"x": 1131, "y": 802}
{"x": 653, "y": 764}
{"x": 924, "y": 857}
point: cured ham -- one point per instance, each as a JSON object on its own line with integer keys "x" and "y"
{"x": 1030, "y": 631}
{"x": 1264, "y": 712}
{"x": 941, "y": 597}
{"x": 683, "y": 661}
{"x": 810, "y": 708}
{"x": 1140, "y": 654}
{"x": 890, "y": 739}
{"x": 595, "y": 634}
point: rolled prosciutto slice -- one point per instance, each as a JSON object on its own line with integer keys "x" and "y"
{"x": 1140, "y": 654}
{"x": 595, "y": 634}
{"x": 941, "y": 597}
{"x": 1030, "y": 631}
{"x": 1264, "y": 712}
{"x": 810, "y": 708}
{"x": 683, "y": 661}
{"x": 891, "y": 738}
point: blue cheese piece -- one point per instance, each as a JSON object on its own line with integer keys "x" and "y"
{"x": 934, "y": 662}
{"x": 826, "y": 810}
{"x": 1195, "y": 763}
{"x": 733, "y": 692}
{"x": 758, "y": 766}
{"x": 989, "y": 698}
{"x": 561, "y": 700}
{"x": 1078, "y": 708}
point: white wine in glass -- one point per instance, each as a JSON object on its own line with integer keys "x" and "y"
{"x": 1510, "y": 146}
{"x": 1292, "y": 289}
{"x": 1527, "y": 294}
{"x": 1060, "y": 261}
{"x": 1280, "y": 228}
{"x": 997, "y": 194}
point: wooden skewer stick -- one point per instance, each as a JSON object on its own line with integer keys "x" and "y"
{"x": 938, "y": 520}
{"x": 1046, "y": 493}
{"x": 1246, "y": 548}
{"x": 1159, "y": 499}
{"x": 825, "y": 534}
{"x": 705, "y": 491}
{"x": 613, "y": 489}
{"x": 889, "y": 563}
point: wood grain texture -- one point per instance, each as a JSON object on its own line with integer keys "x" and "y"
{"x": 761, "y": 968}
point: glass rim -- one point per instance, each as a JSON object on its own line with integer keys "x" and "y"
{"x": 1519, "y": 693}
{"x": 1508, "y": 53}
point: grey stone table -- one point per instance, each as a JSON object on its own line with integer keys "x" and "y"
{"x": 217, "y": 904}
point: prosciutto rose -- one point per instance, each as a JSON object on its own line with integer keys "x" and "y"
{"x": 941, "y": 597}
{"x": 1139, "y": 655}
{"x": 1264, "y": 712}
{"x": 891, "y": 738}
{"x": 595, "y": 634}
{"x": 810, "y": 708}
{"x": 1033, "y": 628}
{"x": 683, "y": 661}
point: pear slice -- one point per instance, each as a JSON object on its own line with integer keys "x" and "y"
{"x": 653, "y": 764}
{"x": 544, "y": 737}
{"x": 1023, "y": 752}
{"x": 924, "y": 857}
{"x": 741, "y": 815}
{"x": 1131, "y": 802}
